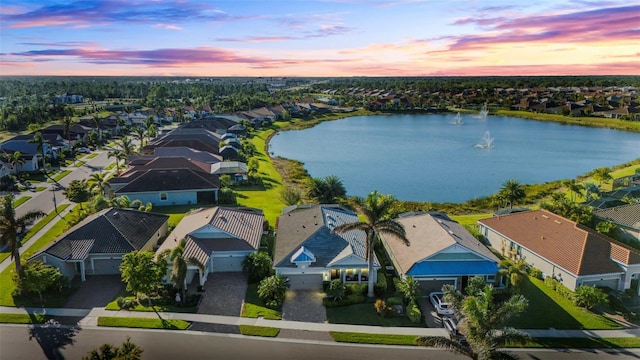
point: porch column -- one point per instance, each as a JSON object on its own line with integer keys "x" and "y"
{"x": 93, "y": 268}
{"x": 359, "y": 275}
{"x": 82, "y": 272}
{"x": 201, "y": 277}
{"x": 343, "y": 276}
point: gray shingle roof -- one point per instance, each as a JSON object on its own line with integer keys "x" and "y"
{"x": 626, "y": 215}
{"x": 171, "y": 180}
{"x": 110, "y": 231}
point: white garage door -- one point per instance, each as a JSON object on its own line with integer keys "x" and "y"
{"x": 305, "y": 282}
{"x": 105, "y": 267}
{"x": 227, "y": 263}
{"x": 611, "y": 283}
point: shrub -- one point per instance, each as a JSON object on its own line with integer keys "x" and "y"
{"x": 349, "y": 300}
{"x": 559, "y": 288}
{"x": 550, "y": 282}
{"x": 125, "y": 304}
{"x": 258, "y": 265}
{"x": 380, "y": 287}
{"x": 383, "y": 309}
{"x": 413, "y": 313}
{"x": 394, "y": 301}
{"x": 358, "y": 289}
{"x": 535, "y": 273}
{"x": 336, "y": 290}
{"x": 272, "y": 290}
{"x": 589, "y": 297}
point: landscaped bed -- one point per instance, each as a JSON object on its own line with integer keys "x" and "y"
{"x": 365, "y": 314}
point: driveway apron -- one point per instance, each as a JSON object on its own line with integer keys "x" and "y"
{"x": 97, "y": 291}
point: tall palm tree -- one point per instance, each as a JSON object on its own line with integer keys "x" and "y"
{"x": 15, "y": 160}
{"x": 10, "y": 226}
{"x": 67, "y": 123}
{"x": 97, "y": 121}
{"x": 482, "y": 323}
{"x": 127, "y": 147}
{"x": 575, "y": 188}
{"x": 512, "y": 192}
{"x": 39, "y": 140}
{"x": 179, "y": 266}
{"x": 328, "y": 189}
{"x": 99, "y": 182}
{"x": 375, "y": 209}
{"x": 602, "y": 174}
{"x": 118, "y": 155}
{"x": 140, "y": 133}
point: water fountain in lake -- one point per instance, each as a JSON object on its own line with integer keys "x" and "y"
{"x": 457, "y": 120}
{"x": 482, "y": 114}
{"x": 487, "y": 141}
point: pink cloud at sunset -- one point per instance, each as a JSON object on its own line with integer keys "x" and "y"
{"x": 319, "y": 38}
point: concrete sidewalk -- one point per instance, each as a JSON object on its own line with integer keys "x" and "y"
{"x": 91, "y": 317}
{"x": 8, "y": 261}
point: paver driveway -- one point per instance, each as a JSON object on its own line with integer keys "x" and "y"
{"x": 97, "y": 291}
{"x": 223, "y": 294}
{"x": 304, "y": 305}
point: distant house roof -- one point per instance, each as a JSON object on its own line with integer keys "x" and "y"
{"x": 626, "y": 215}
{"x": 632, "y": 191}
{"x": 189, "y": 153}
{"x": 170, "y": 180}
{"x": 217, "y": 229}
{"x": 311, "y": 227}
{"x": 429, "y": 234}
{"x": 110, "y": 231}
{"x": 604, "y": 203}
{"x": 229, "y": 167}
{"x": 569, "y": 245}
{"x": 211, "y": 123}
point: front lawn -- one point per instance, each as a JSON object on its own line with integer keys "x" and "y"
{"x": 143, "y": 323}
{"x": 113, "y": 305}
{"x": 254, "y": 307}
{"x": 365, "y": 314}
{"x": 362, "y": 338}
{"x": 548, "y": 309}
{"x": 21, "y": 200}
{"x": 580, "y": 343}
{"x": 175, "y": 212}
{"x": 23, "y": 318}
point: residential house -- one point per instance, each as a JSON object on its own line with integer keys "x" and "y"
{"x": 441, "y": 252}
{"x": 195, "y": 138}
{"x": 216, "y": 124}
{"x": 219, "y": 238}
{"x": 308, "y": 252}
{"x": 626, "y": 217}
{"x": 77, "y": 132}
{"x": 96, "y": 245}
{"x": 168, "y": 181}
{"x": 563, "y": 249}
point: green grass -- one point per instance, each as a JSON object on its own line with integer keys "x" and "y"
{"x": 34, "y": 229}
{"x": 578, "y": 120}
{"x": 365, "y": 314}
{"x": 41, "y": 188}
{"x": 113, "y": 305}
{"x": 91, "y": 156}
{"x": 23, "y": 318}
{"x": 110, "y": 166}
{"x": 362, "y": 338}
{"x": 56, "y": 230}
{"x": 251, "y": 330}
{"x": 265, "y": 197}
{"x": 175, "y": 212}
{"x": 548, "y": 309}
{"x": 470, "y": 220}
{"x": 21, "y": 200}
{"x": 143, "y": 323}
{"x": 60, "y": 175}
{"x": 579, "y": 343}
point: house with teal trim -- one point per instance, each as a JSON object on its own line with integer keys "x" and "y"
{"x": 441, "y": 252}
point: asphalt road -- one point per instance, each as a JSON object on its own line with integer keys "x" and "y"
{"x": 59, "y": 342}
{"x": 43, "y": 200}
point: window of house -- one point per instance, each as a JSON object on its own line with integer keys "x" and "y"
{"x": 163, "y": 196}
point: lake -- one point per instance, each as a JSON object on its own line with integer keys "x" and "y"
{"x": 428, "y": 158}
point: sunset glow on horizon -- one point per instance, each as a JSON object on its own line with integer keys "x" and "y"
{"x": 319, "y": 38}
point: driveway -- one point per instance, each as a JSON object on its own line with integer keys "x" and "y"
{"x": 97, "y": 291}
{"x": 304, "y": 305}
{"x": 431, "y": 317}
{"x": 223, "y": 294}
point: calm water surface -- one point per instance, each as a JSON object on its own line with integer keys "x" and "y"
{"x": 427, "y": 158}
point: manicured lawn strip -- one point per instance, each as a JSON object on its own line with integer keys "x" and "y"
{"x": 34, "y": 229}
{"x": 21, "y": 200}
{"x": 362, "y": 338}
{"x": 251, "y": 330}
{"x": 91, "y": 156}
{"x": 579, "y": 343}
{"x": 578, "y": 120}
{"x": 143, "y": 323}
{"x": 266, "y": 198}
{"x": 548, "y": 309}
{"x": 23, "y": 318}
{"x": 113, "y": 305}
{"x": 365, "y": 314}
{"x": 110, "y": 166}
{"x": 40, "y": 188}
{"x": 60, "y": 175}
{"x": 470, "y": 220}
{"x": 254, "y": 307}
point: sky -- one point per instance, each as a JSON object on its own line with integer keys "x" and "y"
{"x": 336, "y": 38}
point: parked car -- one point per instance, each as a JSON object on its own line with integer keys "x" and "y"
{"x": 451, "y": 324}
{"x": 83, "y": 150}
{"x": 442, "y": 308}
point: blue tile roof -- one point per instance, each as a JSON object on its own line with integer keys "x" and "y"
{"x": 453, "y": 268}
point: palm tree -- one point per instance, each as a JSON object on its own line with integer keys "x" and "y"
{"x": 10, "y": 227}
{"x": 127, "y": 147}
{"x": 375, "y": 209}
{"x": 512, "y": 192}
{"x": 575, "y": 188}
{"x": 180, "y": 266}
{"x": 516, "y": 271}
{"x": 482, "y": 323}
{"x": 67, "y": 123}
{"x": 39, "y": 141}
{"x": 99, "y": 182}
{"x": 15, "y": 160}
{"x": 97, "y": 120}
{"x": 328, "y": 189}
{"x": 118, "y": 155}
{"x": 602, "y": 174}
{"x": 140, "y": 133}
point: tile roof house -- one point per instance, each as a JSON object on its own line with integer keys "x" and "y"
{"x": 95, "y": 246}
{"x": 572, "y": 253}
{"x": 168, "y": 181}
{"x": 220, "y": 238}
{"x": 308, "y": 253}
{"x": 441, "y": 252}
{"x": 627, "y": 217}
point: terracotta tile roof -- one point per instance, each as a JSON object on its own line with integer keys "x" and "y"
{"x": 571, "y": 246}
{"x": 428, "y": 235}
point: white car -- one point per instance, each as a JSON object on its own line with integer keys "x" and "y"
{"x": 83, "y": 150}
{"x": 442, "y": 308}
